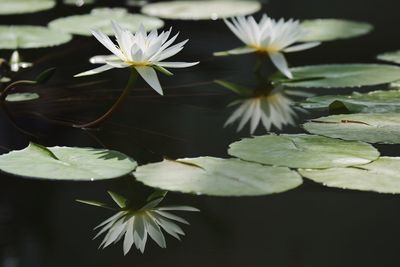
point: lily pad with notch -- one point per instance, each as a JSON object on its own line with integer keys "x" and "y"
{"x": 382, "y": 176}
{"x": 303, "y": 151}
{"x": 217, "y": 177}
{"x": 66, "y": 163}
{"x": 339, "y": 75}
{"x": 383, "y": 128}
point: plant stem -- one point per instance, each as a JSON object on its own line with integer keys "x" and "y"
{"x": 115, "y": 106}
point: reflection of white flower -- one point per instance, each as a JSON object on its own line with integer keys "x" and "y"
{"x": 16, "y": 62}
{"x": 135, "y": 226}
{"x": 142, "y": 51}
{"x": 270, "y": 37}
{"x": 274, "y": 109}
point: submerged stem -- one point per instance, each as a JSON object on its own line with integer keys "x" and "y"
{"x": 115, "y": 106}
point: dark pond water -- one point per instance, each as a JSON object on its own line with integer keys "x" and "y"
{"x": 311, "y": 226}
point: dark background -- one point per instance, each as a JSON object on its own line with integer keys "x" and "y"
{"x": 311, "y": 226}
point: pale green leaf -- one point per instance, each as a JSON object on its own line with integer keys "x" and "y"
{"x": 201, "y": 9}
{"x": 340, "y": 75}
{"x": 8, "y": 7}
{"x": 66, "y": 163}
{"x": 333, "y": 29}
{"x": 218, "y": 177}
{"x": 100, "y": 19}
{"x": 303, "y": 151}
{"x": 390, "y": 57}
{"x": 382, "y": 175}
{"x": 24, "y": 37}
{"x": 368, "y": 127}
{"x": 20, "y": 97}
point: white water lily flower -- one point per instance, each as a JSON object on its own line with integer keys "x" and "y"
{"x": 274, "y": 109}
{"x": 270, "y": 37}
{"x": 134, "y": 227}
{"x": 142, "y": 51}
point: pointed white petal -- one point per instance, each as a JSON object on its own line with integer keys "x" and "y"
{"x": 236, "y": 51}
{"x": 150, "y": 76}
{"x": 301, "y": 47}
{"x": 105, "y": 40}
{"x": 176, "y": 64}
{"x": 94, "y": 71}
{"x": 280, "y": 63}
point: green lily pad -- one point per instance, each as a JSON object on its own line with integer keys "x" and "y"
{"x": 303, "y": 151}
{"x": 217, "y": 177}
{"x": 78, "y": 3}
{"x": 19, "y": 37}
{"x": 340, "y": 75}
{"x": 368, "y": 127}
{"x": 201, "y": 9}
{"x": 382, "y": 175}
{"x": 390, "y": 57}
{"x": 9, "y": 7}
{"x": 66, "y": 163}
{"x": 333, "y": 29}
{"x": 100, "y": 19}
{"x": 373, "y": 102}
{"x": 19, "y": 97}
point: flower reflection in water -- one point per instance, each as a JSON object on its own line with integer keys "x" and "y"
{"x": 270, "y": 108}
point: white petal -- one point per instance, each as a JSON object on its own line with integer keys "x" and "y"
{"x": 150, "y": 76}
{"x": 117, "y": 64}
{"x": 105, "y": 40}
{"x": 176, "y": 64}
{"x": 94, "y": 71}
{"x": 280, "y": 62}
{"x": 236, "y": 51}
{"x": 301, "y": 47}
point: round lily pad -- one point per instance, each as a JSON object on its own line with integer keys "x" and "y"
{"x": 368, "y": 127}
{"x": 382, "y": 175}
{"x": 390, "y": 57}
{"x": 100, "y": 19}
{"x": 217, "y": 177}
{"x": 20, "y": 37}
{"x": 340, "y": 75}
{"x": 66, "y": 163}
{"x": 9, "y": 7}
{"x": 373, "y": 102}
{"x": 201, "y": 10}
{"x": 333, "y": 29}
{"x": 20, "y": 97}
{"x": 78, "y": 3}
{"x": 303, "y": 151}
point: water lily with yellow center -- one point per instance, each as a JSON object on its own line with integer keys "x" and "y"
{"x": 141, "y": 51}
{"x": 268, "y": 36}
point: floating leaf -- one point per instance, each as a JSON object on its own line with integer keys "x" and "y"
{"x": 78, "y": 3}
{"x": 201, "y": 10}
{"x": 8, "y": 7}
{"x": 218, "y": 177}
{"x": 390, "y": 57}
{"x": 16, "y": 37}
{"x": 19, "y": 97}
{"x": 373, "y": 102}
{"x": 340, "y": 75}
{"x": 333, "y": 29}
{"x": 303, "y": 151}
{"x": 368, "y": 127}
{"x": 100, "y": 19}
{"x": 382, "y": 175}
{"x": 66, "y": 163}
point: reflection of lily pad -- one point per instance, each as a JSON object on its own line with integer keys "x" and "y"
{"x": 341, "y": 75}
{"x": 100, "y": 19}
{"x": 66, "y": 163}
{"x": 16, "y": 37}
{"x": 372, "y": 102}
{"x": 218, "y": 177}
{"x": 390, "y": 57}
{"x": 367, "y": 127}
{"x": 8, "y": 7}
{"x": 333, "y": 29}
{"x": 19, "y": 97}
{"x": 303, "y": 151}
{"x": 382, "y": 175}
{"x": 201, "y": 9}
